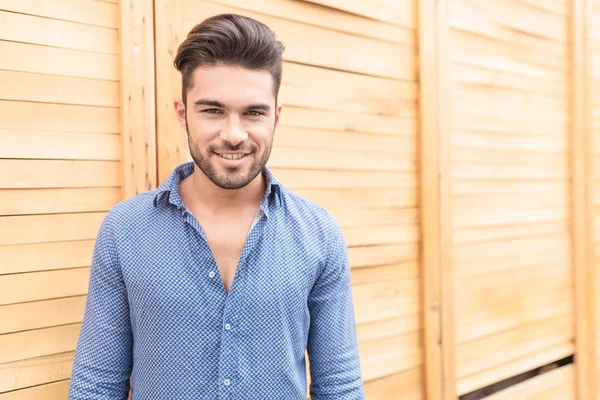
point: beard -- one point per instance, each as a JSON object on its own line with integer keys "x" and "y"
{"x": 232, "y": 178}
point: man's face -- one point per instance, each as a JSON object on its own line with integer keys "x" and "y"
{"x": 230, "y": 118}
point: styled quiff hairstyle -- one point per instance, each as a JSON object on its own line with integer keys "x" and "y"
{"x": 229, "y": 40}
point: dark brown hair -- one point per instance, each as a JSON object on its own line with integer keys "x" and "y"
{"x": 232, "y": 40}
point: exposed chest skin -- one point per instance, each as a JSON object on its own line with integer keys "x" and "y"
{"x": 226, "y": 236}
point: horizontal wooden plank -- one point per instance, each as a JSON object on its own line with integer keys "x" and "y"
{"x": 552, "y": 168}
{"x": 409, "y": 383}
{"x": 388, "y": 328}
{"x": 321, "y": 88}
{"x": 338, "y": 140}
{"x": 23, "y": 174}
{"x": 63, "y": 34}
{"x": 367, "y": 198}
{"x": 83, "y": 11}
{"x": 469, "y": 75}
{"x": 362, "y": 217}
{"x": 364, "y": 236}
{"x": 509, "y": 262}
{"x": 65, "y": 62}
{"x": 33, "y": 286}
{"x": 491, "y": 351}
{"x": 384, "y": 357}
{"x": 45, "y": 256}
{"x": 510, "y": 200}
{"x": 556, "y": 384}
{"x": 472, "y": 29}
{"x": 54, "y": 201}
{"x": 384, "y": 300}
{"x": 367, "y": 256}
{"x": 337, "y": 50}
{"x": 41, "y": 314}
{"x": 400, "y": 12}
{"x": 39, "y": 342}
{"x": 560, "y": 8}
{"x": 506, "y": 255}
{"x": 493, "y": 233}
{"x": 58, "y": 117}
{"x": 493, "y": 285}
{"x": 313, "y": 14}
{"x": 501, "y": 63}
{"x": 348, "y": 121}
{"x": 310, "y": 158}
{"x": 523, "y": 18}
{"x": 494, "y": 156}
{"x": 26, "y": 86}
{"x": 473, "y": 188}
{"x": 517, "y": 124}
{"x": 51, "y": 391}
{"x": 536, "y": 145}
{"x": 486, "y": 101}
{"x": 504, "y": 215}
{"x": 383, "y": 273}
{"x": 510, "y": 310}
{"x": 502, "y": 371}
{"x": 515, "y": 231}
{"x": 49, "y": 228}
{"x": 320, "y": 179}
{"x": 57, "y": 145}
{"x": 35, "y": 371}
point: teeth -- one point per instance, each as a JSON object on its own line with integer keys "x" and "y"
{"x": 232, "y": 156}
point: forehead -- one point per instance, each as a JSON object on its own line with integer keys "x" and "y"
{"x": 231, "y": 85}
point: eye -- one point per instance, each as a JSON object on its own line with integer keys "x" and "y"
{"x": 255, "y": 113}
{"x": 211, "y": 111}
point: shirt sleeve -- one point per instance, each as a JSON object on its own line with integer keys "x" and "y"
{"x": 332, "y": 345}
{"x": 103, "y": 356}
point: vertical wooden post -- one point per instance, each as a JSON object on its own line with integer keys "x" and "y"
{"x": 138, "y": 117}
{"x": 436, "y": 201}
{"x": 582, "y": 156}
{"x": 171, "y": 138}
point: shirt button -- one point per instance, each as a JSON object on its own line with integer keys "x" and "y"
{"x": 226, "y": 382}
{"x": 211, "y": 274}
{"x": 227, "y": 326}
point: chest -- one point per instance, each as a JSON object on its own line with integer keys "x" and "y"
{"x": 227, "y": 239}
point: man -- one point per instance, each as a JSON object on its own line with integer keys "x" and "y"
{"x": 214, "y": 285}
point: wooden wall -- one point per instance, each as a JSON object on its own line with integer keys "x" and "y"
{"x": 347, "y": 140}
{"x": 451, "y": 138}
{"x": 60, "y": 171}
{"x": 509, "y": 71}
{"x": 594, "y": 38}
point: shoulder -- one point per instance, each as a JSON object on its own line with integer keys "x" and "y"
{"x": 132, "y": 212}
{"x": 314, "y": 216}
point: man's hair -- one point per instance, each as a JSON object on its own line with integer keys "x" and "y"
{"x": 229, "y": 40}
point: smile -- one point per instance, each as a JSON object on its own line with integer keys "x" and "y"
{"x": 232, "y": 156}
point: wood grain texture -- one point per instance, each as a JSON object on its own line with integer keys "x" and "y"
{"x": 57, "y": 61}
{"x": 138, "y": 102}
{"x": 83, "y": 11}
{"x": 435, "y": 202}
{"x": 35, "y": 371}
{"x": 57, "y": 33}
{"x": 400, "y": 12}
{"x": 583, "y": 230}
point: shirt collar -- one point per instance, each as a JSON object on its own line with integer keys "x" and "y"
{"x": 169, "y": 188}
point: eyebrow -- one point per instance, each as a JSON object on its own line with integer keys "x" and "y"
{"x": 216, "y": 103}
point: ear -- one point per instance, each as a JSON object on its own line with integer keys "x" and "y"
{"x": 180, "y": 111}
{"x": 277, "y": 114}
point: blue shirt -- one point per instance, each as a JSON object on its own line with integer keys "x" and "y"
{"x": 157, "y": 310}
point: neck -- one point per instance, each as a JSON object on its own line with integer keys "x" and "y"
{"x": 199, "y": 190}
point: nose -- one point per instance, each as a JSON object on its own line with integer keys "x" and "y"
{"x": 233, "y": 133}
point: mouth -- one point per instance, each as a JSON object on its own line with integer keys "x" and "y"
{"x": 232, "y": 156}
{"x": 232, "y": 160}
